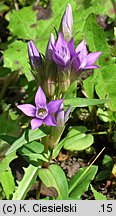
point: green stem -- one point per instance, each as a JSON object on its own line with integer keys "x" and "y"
{"x": 102, "y": 132}
{"x": 38, "y": 190}
{"x": 46, "y": 144}
{"x": 99, "y": 133}
{"x": 55, "y": 136}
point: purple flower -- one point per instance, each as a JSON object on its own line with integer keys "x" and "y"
{"x": 42, "y": 112}
{"x": 61, "y": 53}
{"x": 34, "y": 55}
{"x": 62, "y": 116}
{"x": 66, "y": 26}
{"x": 86, "y": 60}
{"x": 49, "y": 49}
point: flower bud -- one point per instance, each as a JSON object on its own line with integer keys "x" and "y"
{"x": 49, "y": 86}
{"x": 64, "y": 80}
{"x": 49, "y": 49}
{"x": 35, "y": 62}
{"x": 50, "y": 79}
{"x": 34, "y": 56}
{"x": 62, "y": 116}
{"x": 66, "y": 25}
{"x": 56, "y": 133}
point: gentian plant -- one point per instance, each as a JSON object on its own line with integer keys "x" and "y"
{"x": 49, "y": 114}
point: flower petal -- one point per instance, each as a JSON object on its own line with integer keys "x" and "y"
{"x": 27, "y": 109}
{"x": 36, "y": 123}
{"x": 91, "y": 67}
{"x": 50, "y": 121}
{"x": 60, "y": 42}
{"x": 71, "y": 47}
{"x": 68, "y": 18}
{"x": 82, "y": 48}
{"x": 40, "y": 98}
{"x": 53, "y": 106}
{"x": 60, "y": 115}
{"x": 66, "y": 26}
{"x": 75, "y": 62}
{"x": 66, "y": 115}
{"x": 92, "y": 57}
{"x": 34, "y": 55}
{"x": 83, "y": 63}
{"x": 58, "y": 59}
{"x": 32, "y": 50}
{"x": 49, "y": 49}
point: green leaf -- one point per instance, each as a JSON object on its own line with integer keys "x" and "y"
{"x": 32, "y": 153}
{"x": 97, "y": 195}
{"x": 71, "y": 92}
{"x": 107, "y": 162}
{"x": 3, "y": 7}
{"x": 95, "y": 38}
{"x": 83, "y": 13}
{"x": 25, "y": 184}
{"x": 103, "y": 78}
{"x": 28, "y": 136}
{"x": 7, "y": 182}
{"x": 16, "y": 58}
{"x": 89, "y": 86}
{"x": 81, "y": 180}
{"x": 54, "y": 176}
{"x": 8, "y": 139}
{"x": 104, "y": 174}
{"x": 4, "y": 165}
{"x": 36, "y": 157}
{"x": 83, "y": 102}
{"x": 77, "y": 140}
{"x": 11, "y": 128}
{"x": 107, "y": 165}
{"x": 106, "y": 85}
{"x": 23, "y": 23}
{"x": 103, "y": 115}
{"x": 34, "y": 146}
{"x": 57, "y": 149}
{"x": 6, "y": 177}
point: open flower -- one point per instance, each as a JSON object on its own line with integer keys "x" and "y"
{"x": 86, "y": 60}
{"x": 34, "y": 56}
{"x": 61, "y": 53}
{"x": 42, "y": 112}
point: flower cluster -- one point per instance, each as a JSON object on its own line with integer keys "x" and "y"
{"x": 54, "y": 70}
{"x": 62, "y": 54}
{"x": 65, "y": 56}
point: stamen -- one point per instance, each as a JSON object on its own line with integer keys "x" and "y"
{"x": 42, "y": 111}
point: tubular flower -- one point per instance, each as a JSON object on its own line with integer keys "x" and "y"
{"x": 62, "y": 116}
{"x": 86, "y": 61}
{"x": 34, "y": 56}
{"x": 66, "y": 26}
{"x": 61, "y": 53}
{"x": 42, "y": 112}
